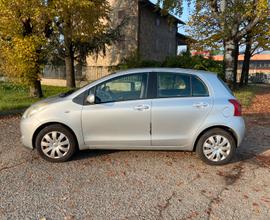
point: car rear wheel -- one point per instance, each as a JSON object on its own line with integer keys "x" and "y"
{"x": 216, "y": 147}
{"x": 55, "y": 143}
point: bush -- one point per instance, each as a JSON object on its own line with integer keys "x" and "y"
{"x": 135, "y": 61}
{"x": 185, "y": 60}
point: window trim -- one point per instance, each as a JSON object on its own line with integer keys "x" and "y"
{"x": 114, "y": 78}
{"x": 152, "y": 85}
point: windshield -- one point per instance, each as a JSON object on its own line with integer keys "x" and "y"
{"x": 62, "y": 95}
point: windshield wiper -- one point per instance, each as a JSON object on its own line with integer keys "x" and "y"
{"x": 62, "y": 95}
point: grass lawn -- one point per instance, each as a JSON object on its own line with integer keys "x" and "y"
{"x": 246, "y": 94}
{"x": 16, "y": 97}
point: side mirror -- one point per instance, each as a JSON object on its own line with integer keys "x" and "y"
{"x": 90, "y": 99}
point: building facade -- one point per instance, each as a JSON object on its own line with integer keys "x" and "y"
{"x": 147, "y": 33}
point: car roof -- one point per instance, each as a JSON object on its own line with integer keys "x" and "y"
{"x": 164, "y": 69}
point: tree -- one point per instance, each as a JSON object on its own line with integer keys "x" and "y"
{"x": 79, "y": 24}
{"x": 233, "y": 21}
{"x": 255, "y": 41}
{"x": 223, "y": 22}
{"x": 24, "y": 28}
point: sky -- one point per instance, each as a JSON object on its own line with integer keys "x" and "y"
{"x": 186, "y": 12}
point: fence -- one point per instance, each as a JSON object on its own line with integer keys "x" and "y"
{"x": 260, "y": 78}
{"x": 82, "y": 73}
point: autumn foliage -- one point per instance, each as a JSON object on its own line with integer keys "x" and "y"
{"x": 23, "y": 41}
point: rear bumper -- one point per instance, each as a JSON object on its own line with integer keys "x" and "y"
{"x": 28, "y": 127}
{"x": 237, "y": 124}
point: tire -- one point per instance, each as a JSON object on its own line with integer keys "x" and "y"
{"x": 216, "y": 147}
{"x": 55, "y": 143}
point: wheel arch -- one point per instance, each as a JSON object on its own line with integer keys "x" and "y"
{"x": 52, "y": 123}
{"x": 226, "y": 128}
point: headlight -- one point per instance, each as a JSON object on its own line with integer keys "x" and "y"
{"x": 34, "y": 109}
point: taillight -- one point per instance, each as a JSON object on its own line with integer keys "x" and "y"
{"x": 237, "y": 107}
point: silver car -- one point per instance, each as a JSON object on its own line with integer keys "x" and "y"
{"x": 140, "y": 109}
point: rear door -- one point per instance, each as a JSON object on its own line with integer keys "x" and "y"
{"x": 181, "y": 105}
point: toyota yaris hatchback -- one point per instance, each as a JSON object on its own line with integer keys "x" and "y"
{"x": 157, "y": 109}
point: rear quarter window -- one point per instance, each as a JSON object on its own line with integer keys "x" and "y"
{"x": 198, "y": 87}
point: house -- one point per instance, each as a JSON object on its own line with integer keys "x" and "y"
{"x": 147, "y": 33}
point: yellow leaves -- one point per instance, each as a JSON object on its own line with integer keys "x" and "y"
{"x": 20, "y": 58}
{"x": 13, "y": 13}
{"x": 260, "y": 8}
{"x": 22, "y": 27}
{"x": 82, "y": 19}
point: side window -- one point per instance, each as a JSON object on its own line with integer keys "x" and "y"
{"x": 173, "y": 85}
{"x": 198, "y": 87}
{"x": 122, "y": 88}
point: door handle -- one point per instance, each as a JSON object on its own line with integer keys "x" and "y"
{"x": 200, "y": 105}
{"x": 142, "y": 107}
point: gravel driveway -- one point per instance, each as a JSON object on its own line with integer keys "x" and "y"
{"x": 135, "y": 184}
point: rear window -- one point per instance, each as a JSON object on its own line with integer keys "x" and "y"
{"x": 225, "y": 85}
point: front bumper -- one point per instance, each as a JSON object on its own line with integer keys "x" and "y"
{"x": 28, "y": 127}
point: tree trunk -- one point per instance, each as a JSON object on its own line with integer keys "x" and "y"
{"x": 69, "y": 55}
{"x": 70, "y": 71}
{"x": 229, "y": 51}
{"x": 35, "y": 86}
{"x": 35, "y": 90}
{"x": 246, "y": 63}
{"x": 235, "y": 62}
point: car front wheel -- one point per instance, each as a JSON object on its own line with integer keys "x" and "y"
{"x": 55, "y": 143}
{"x": 216, "y": 147}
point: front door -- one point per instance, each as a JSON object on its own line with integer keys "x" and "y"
{"x": 120, "y": 116}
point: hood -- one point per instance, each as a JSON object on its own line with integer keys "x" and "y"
{"x": 50, "y": 100}
{"x": 57, "y": 98}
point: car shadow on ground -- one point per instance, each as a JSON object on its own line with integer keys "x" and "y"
{"x": 239, "y": 156}
{"x": 86, "y": 154}
{"x": 252, "y": 157}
